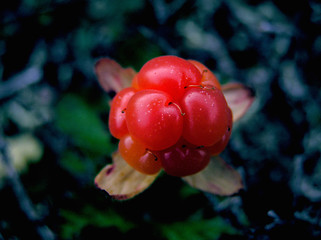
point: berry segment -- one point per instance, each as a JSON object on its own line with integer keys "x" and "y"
{"x": 208, "y": 78}
{"x": 170, "y": 74}
{"x": 137, "y": 156}
{"x": 206, "y": 116}
{"x": 117, "y": 119}
{"x": 173, "y": 117}
{"x": 184, "y": 159}
{"x": 153, "y": 120}
{"x": 218, "y": 147}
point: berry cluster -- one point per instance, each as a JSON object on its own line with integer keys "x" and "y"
{"x": 174, "y": 116}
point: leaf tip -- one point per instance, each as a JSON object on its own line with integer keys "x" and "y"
{"x": 112, "y": 76}
{"x": 239, "y": 97}
{"x": 120, "y": 197}
{"x": 121, "y": 181}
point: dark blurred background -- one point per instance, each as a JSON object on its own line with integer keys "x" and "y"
{"x": 54, "y": 136}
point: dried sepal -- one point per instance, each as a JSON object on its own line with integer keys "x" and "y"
{"x": 112, "y": 76}
{"x": 217, "y": 178}
{"x": 239, "y": 98}
{"x": 121, "y": 181}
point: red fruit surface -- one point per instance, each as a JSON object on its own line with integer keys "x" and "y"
{"x": 117, "y": 117}
{"x": 206, "y": 117}
{"x": 218, "y": 147}
{"x": 153, "y": 119}
{"x": 138, "y": 157}
{"x": 184, "y": 159}
{"x": 134, "y": 82}
{"x": 170, "y": 74}
{"x": 208, "y": 78}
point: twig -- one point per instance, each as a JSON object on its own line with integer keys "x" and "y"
{"x": 21, "y": 80}
{"x": 24, "y": 201}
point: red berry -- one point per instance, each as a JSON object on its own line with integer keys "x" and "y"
{"x": 170, "y": 74}
{"x": 205, "y": 120}
{"x": 174, "y": 116}
{"x": 153, "y": 119}
{"x": 184, "y": 159}
{"x": 138, "y": 157}
{"x": 117, "y": 119}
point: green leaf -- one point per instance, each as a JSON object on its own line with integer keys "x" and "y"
{"x": 81, "y": 122}
{"x": 197, "y": 228}
{"x": 73, "y": 163}
{"x": 76, "y": 221}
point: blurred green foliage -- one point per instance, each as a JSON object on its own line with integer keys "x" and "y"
{"x": 197, "y": 228}
{"x": 87, "y": 216}
{"x": 81, "y": 122}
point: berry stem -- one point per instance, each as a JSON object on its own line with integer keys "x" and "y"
{"x": 207, "y": 87}
{"x": 200, "y": 86}
{"x": 175, "y": 104}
